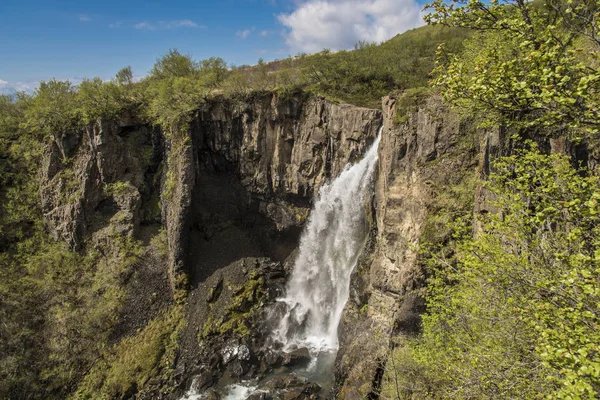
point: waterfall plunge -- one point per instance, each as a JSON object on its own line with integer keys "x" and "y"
{"x": 329, "y": 249}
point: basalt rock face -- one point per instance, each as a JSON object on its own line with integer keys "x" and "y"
{"x": 233, "y": 193}
{"x": 99, "y": 176}
{"x": 429, "y": 167}
{"x": 236, "y": 186}
{"x": 243, "y": 175}
{"x": 246, "y": 173}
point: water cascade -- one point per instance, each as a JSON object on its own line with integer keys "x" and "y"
{"x": 329, "y": 250}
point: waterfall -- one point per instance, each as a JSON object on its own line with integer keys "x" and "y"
{"x": 329, "y": 250}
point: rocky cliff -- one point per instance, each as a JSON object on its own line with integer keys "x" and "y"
{"x": 246, "y": 173}
{"x": 430, "y": 168}
{"x": 250, "y": 168}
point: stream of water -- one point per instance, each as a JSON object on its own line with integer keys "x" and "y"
{"x": 329, "y": 249}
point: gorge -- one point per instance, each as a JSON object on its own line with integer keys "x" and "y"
{"x": 235, "y": 195}
{"x": 399, "y": 221}
{"x": 242, "y": 185}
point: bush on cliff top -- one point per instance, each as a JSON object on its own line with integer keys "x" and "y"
{"x": 514, "y": 312}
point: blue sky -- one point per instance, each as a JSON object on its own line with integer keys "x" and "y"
{"x": 44, "y": 39}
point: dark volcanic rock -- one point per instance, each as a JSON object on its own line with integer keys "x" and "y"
{"x": 202, "y": 381}
{"x": 288, "y": 381}
{"x": 296, "y": 358}
{"x": 215, "y": 291}
{"x": 260, "y": 395}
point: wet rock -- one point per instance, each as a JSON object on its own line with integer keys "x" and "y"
{"x": 260, "y": 395}
{"x": 202, "y": 381}
{"x": 229, "y": 353}
{"x": 237, "y": 368}
{"x": 311, "y": 389}
{"x": 178, "y": 375}
{"x": 308, "y": 391}
{"x": 213, "y": 395}
{"x": 288, "y": 381}
{"x": 232, "y": 352}
{"x": 214, "y": 361}
{"x": 243, "y": 353}
{"x": 296, "y": 358}
{"x": 276, "y": 275}
{"x": 271, "y": 359}
{"x": 293, "y": 395}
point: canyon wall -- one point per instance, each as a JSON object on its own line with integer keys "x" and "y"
{"x": 422, "y": 162}
{"x": 430, "y": 168}
{"x": 239, "y": 183}
{"x": 244, "y": 173}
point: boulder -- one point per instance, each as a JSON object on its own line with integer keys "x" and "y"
{"x": 296, "y": 358}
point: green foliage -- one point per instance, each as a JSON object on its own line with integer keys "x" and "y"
{"x": 404, "y": 377}
{"x": 371, "y": 71}
{"x": 409, "y": 102}
{"x": 100, "y": 100}
{"x": 52, "y": 111}
{"x": 173, "y": 65}
{"x": 514, "y": 312}
{"x": 73, "y": 301}
{"x": 124, "y": 76}
{"x": 118, "y": 188}
{"x": 57, "y": 307}
{"x": 20, "y": 155}
{"x": 160, "y": 243}
{"x": 524, "y": 67}
{"x": 173, "y": 101}
{"x": 241, "y": 313}
{"x": 213, "y": 71}
{"x": 130, "y": 364}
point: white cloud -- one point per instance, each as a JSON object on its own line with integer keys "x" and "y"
{"x": 144, "y": 25}
{"x": 245, "y": 33}
{"x": 339, "y": 24}
{"x": 115, "y": 25}
{"x": 182, "y": 23}
{"x": 13, "y": 87}
{"x": 264, "y": 33}
{"x": 84, "y": 18}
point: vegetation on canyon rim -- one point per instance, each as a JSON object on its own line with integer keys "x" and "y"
{"x": 512, "y": 312}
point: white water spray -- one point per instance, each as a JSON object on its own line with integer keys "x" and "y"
{"x": 329, "y": 250}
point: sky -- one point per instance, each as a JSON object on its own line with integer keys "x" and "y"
{"x": 46, "y": 39}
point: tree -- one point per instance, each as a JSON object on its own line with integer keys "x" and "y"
{"x": 213, "y": 71}
{"x": 124, "y": 76}
{"x": 100, "y": 100}
{"x": 530, "y": 64}
{"x": 516, "y": 312}
{"x": 52, "y": 111}
{"x": 173, "y": 101}
{"x": 173, "y": 64}
{"x": 261, "y": 77}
